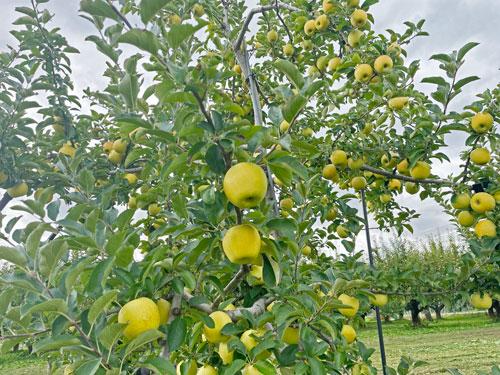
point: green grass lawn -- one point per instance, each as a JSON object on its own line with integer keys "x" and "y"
{"x": 465, "y": 342}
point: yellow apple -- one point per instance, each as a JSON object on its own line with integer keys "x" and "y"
{"x": 59, "y": 129}
{"x": 480, "y": 156}
{"x": 132, "y": 202}
{"x": 322, "y": 22}
{"x": 225, "y": 354}
{"x": 154, "y": 209}
{"x": 342, "y": 232}
{"x": 333, "y": 64}
{"x": 286, "y": 203}
{"x": 284, "y": 126}
{"x": 394, "y": 49}
{"x": 257, "y": 272}
{"x": 379, "y": 300}
{"x": 250, "y": 370}
{"x": 403, "y": 167}
{"x": 291, "y": 336}
{"x": 288, "y": 49}
{"x": 193, "y": 368}
{"x": 198, "y": 10}
{"x": 249, "y": 341}
{"x": 40, "y": 191}
{"x": 482, "y": 202}
{"x": 485, "y": 227}
{"x": 354, "y": 37}
{"x": 312, "y": 69}
{"x": 358, "y": 183}
{"x": 353, "y": 3}
{"x": 332, "y": 214}
{"x": 394, "y": 184}
{"x": 322, "y": 62}
{"x": 363, "y": 73}
{"x": 67, "y": 149}
{"x": 420, "y": 171}
{"x": 385, "y": 198}
{"x": 214, "y": 335}
{"x": 482, "y": 122}
{"x": 328, "y": 6}
{"x": 368, "y": 128}
{"x": 237, "y": 69}
{"x": 207, "y": 370}
{"x": 272, "y": 36}
{"x": 174, "y": 19}
{"x": 107, "y": 147}
{"x": 3, "y": 177}
{"x": 339, "y": 158}
{"x": 307, "y": 132}
{"x": 141, "y": 314}
{"x": 241, "y": 244}
{"x": 329, "y": 171}
{"x": 18, "y": 190}
{"x": 466, "y": 218}
{"x": 355, "y": 164}
{"x": 389, "y": 162}
{"x": 349, "y": 333}
{"x": 120, "y": 146}
{"x": 310, "y": 27}
{"x": 460, "y": 201}
{"x": 306, "y": 250}
{"x": 382, "y": 63}
{"x": 358, "y": 18}
{"x": 130, "y": 177}
{"x": 115, "y": 157}
{"x": 306, "y": 45}
{"x": 164, "y": 310}
{"x": 483, "y": 302}
{"x": 398, "y": 103}
{"x": 245, "y": 185}
{"x": 350, "y": 301}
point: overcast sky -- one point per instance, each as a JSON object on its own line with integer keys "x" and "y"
{"x": 451, "y": 23}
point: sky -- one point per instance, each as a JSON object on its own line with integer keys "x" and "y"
{"x": 451, "y": 24}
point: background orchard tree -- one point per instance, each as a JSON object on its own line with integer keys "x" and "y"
{"x": 186, "y": 219}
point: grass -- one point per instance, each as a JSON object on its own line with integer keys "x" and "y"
{"x": 464, "y": 342}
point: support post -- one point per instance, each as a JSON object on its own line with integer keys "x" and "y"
{"x": 377, "y": 310}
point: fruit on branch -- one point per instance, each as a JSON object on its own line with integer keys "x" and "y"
{"x": 306, "y": 250}
{"x": 382, "y": 63}
{"x": 363, "y": 73}
{"x": 18, "y": 190}
{"x": 174, "y": 18}
{"x": 307, "y": 132}
{"x": 291, "y": 335}
{"x": 328, "y": 6}
{"x": 394, "y": 184}
{"x": 465, "y": 218}
{"x": 358, "y": 18}
{"x": 286, "y": 203}
{"x": 154, "y": 209}
{"x": 132, "y": 203}
{"x": 164, "y": 310}
{"x": 322, "y": 22}
{"x": 59, "y": 129}
{"x": 485, "y": 228}
{"x": 361, "y": 369}
{"x": 67, "y": 149}
{"x": 245, "y": 185}
{"x": 411, "y": 188}
{"x": 249, "y": 341}
{"x": 350, "y": 301}
{"x": 353, "y": 3}
{"x": 241, "y": 244}
{"x": 332, "y": 214}
{"x": 385, "y": 198}
{"x": 237, "y": 69}
{"x": 288, "y": 49}
{"x": 284, "y": 126}
{"x": 355, "y": 164}
{"x": 250, "y": 370}
{"x": 39, "y": 192}
{"x": 107, "y": 147}
{"x": 306, "y": 45}
{"x": 368, "y": 128}
{"x": 272, "y": 36}
{"x": 207, "y": 370}
{"x": 379, "y": 300}
{"x": 130, "y": 177}
{"x": 192, "y": 370}
{"x": 481, "y": 122}
{"x": 329, "y": 171}
{"x": 353, "y": 37}
{"x": 339, "y": 158}
{"x": 349, "y": 333}
{"x": 322, "y": 62}
{"x": 333, "y": 64}
{"x": 120, "y": 146}
{"x": 479, "y": 302}
{"x": 225, "y": 354}
{"x": 257, "y": 272}
{"x": 389, "y": 161}
{"x": 198, "y": 10}
{"x": 480, "y": 156}
{"x": 394, "y": 49}
{"x": 420, "y": 171}
{"x": 482, "y": 202}
{"x": 398, "y": 103}
{"x": 403, "y": 167}
{"x": 460, "y": 201}
{"x": 310, "y": 27}
{"x": 342, "y": 232}
{"x": 115, "y": 157}
{"x": 358, "y": 183}
{"x": 141, "y": 314}
{"x": 214, "y": 335}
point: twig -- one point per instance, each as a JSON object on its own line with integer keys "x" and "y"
{"x": 232, "y": 284}
{"x": 5, "y": 199}
{"x": 118, "y": 13}
{"x": 258, "y": 308}
{"x": 369, "y": 168}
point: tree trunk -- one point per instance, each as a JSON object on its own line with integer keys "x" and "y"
{"x": 496, "y": 306}
{"x": 438, "y": 310}
{"x": 428, "y": 315}
{"x": 413, "y": 307}
{"x": 491, "y": 312}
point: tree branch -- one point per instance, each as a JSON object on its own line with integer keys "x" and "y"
{"x": 232, "y": 284}
{"x": 118, "y": 13}
{"x": 5, "y": 199}
{"x": 369, "y": 168}
{"x": 258, "y": 308}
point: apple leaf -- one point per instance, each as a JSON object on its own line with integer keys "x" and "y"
{"x": 291, "y": 71}
{"x": 142, "y": 39}
{"x": 463, "y": 51}
{"x": 293, "y": 106}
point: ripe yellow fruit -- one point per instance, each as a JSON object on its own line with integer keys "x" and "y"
{"x": 141, "y": 314}
{"x": 115, "y": 157}
{"x": 332, "y": 214}
{"x": 339, "y": 158}
{"x": 214, "y": 335}
{"x": 342, "y": 232}
{"x": 389, "y": 162}
{"x": 237, "y": 69}
{"x": 307, "y": 132}
{"x": 394, "y": 49}
{"x": 288, "y": 49}
{"x": 130, "y": 177}
{"x": 257, "y": 272}
{"x": 249, "y": 341}
{"x": 403, "y": 167}
{"x": 310, "y": 27}
{"x": 132, "y": 202}
{"x": 398, "y": 103}
{"x": 120, "y": 146}
{"x": 241, "y": 244}
{"x": 333, "y": 64}
{"x": 312, "y": 69}
{"x": 18, "y": 190}
{"x": 479, "y": 302}
{"x": 164, "y": 310}
{"x": 412, "y": 188}
{"x": 354, "y": 37}
{"x": 67, "y": 149}
{"x": 358, "y": 183}
{"x": 59, "y": 129}
{"x": 272, "y": 36}
{"x": 306, "y": 250}
{"x": 382, "y": 63}
{"x": 482, "y": 202}
{"x": 358, "y": 18}
{"x": 286, "y": 203}
{"x": 245, "y": 185}
{"x": 193, "y": 368}
{"x": 353, "y": 3}
{"x": 40, "y": 191}
{"x": 291, "y": 336}
{"x": 174, "y": 19}
{"x": 225, "y": 354}
{"x": 394, "y": 184}
{"x": 322, "y": 62}
{"x": 250, "y": 370}
{"x": 485, "y": 228}
{"x": 107, "y": 147}
{"x": 284, "y": 126}
{"x": 379, "y": 300}
{"x": 363, "y": 73}
{"x": 322, "y": 22}
{"x": 306, "y": 45}
{"x": 482, "y": 122}
{"x": 355, "y": 164}
{"x": 368, "y": 128}
{"x": 328, "y": 6}
{"x": 466, "y": 218}
{"x": 207, "y": 370}
{"x": 329, "y": 171}
{"x": 154, "y": 209}
{"x": 385, "y": 198}
{"x": 480, "y": 156}
{"x": 198, "y": 10}
{"x": 350, "y": 301}
{"x": 460, "y": 201}
{"x": 421, "y": 170}
{"x": 349, "y": 333}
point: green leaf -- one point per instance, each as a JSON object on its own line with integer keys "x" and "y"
{"x": 215, "y": 159}
{"x": 281, "y": 224}
{"x": 13, "y": 255}
{"x": 33, "y": 241}
{"x": 179, "y": 161}
{"x": 141, "y": 340}
{"x": 436, "y": 80}
{"x": 465, "y": 81}
{"x": 150, "y": 7}
{"x": 160, "y": 365}
{"x": 462, "y": 51}
{"x": 305, "y": 146}
{"x": 55, "y": 343}
{"x": 111, "y": 333}
{"x": 179, "y": 32}
{"x": 317, "y": 367}
{"x": 293, "y": 106}
{"x": 53, "y": 305}
{"x": 236, "y": 365}
{"x": 86, "y": 180}
{"x": 129, "y": 89}
{"x": 8, "y": 344}
{"x": 176, "y": 334}
{"x": 50, "y": 255}
{"x": 74, "y": 271}
{"x": 291, "y": 71}
{"x": 142, "y": 39}
{"x": 233, "y": 107}
{"x": 98, "y": 8}
{"x": 282, "y": 171}
{"x": 89, "y": 368}
{"x": 99, "y": 277}
{"x": 101, "y": 305}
